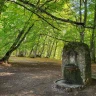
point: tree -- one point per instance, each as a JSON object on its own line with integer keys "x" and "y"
{"x": 92, "y": 45}
{"x": 21, "y": 36}
{"x": 70, "y": 19}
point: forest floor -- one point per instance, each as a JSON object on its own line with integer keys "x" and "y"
{"x": 36, "y": 77}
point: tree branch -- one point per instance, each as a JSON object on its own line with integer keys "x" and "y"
{"x": 85, "y": 12}
{"x": 45, "y": 3}
{"x": 24, "y": 36}
{"x": 37, "y": 15}
{"x": 54, "y": 37}
{"x": 52, "y": 16}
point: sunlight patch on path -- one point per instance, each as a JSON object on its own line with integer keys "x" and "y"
{"x": 5, "y": 74}
{"x": 25, "y": 59}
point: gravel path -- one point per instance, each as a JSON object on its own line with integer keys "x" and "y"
{"x": 27, "y": 77}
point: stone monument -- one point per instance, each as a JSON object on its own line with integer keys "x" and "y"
{"x": 76, "y": 66}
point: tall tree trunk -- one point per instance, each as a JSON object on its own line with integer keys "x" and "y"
{"x": 43, "y": 46}
{"x": 30, "y": 53}
{"x": 33, "y": 52}
{"x": 80, "y": 27}
{"x": 21, "y": 36}
{"x": 92, "y": 45}
{"x": 7, "y": 55}
{"x": 80, "y": 11}
{"x": 55, "y": 49}
{"x": 50, "y": 49}
{"x": 82, "y": 31}
{"x": 37, "y": 47}
{"x": 82, "y": 34}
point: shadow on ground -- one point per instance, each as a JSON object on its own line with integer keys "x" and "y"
{"x": 35, "y": 77}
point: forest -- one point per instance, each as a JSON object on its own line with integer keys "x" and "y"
{"x": 40, "y": 28}
{"x": 47, "y": 47}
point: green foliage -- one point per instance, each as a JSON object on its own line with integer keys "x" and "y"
{"x": 43, "y": 36}
{"x": 2, "y": 6}
{"x": 12, "y": 20}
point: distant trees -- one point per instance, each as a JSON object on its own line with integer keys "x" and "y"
{"x": 56, "y": 21}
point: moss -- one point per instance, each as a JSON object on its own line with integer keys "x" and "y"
{"x": 73, "y": 45}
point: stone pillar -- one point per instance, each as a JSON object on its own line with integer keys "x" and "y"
{"x": 77, "y": 54}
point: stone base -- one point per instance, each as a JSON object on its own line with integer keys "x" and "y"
{"x": 60, "y": 84}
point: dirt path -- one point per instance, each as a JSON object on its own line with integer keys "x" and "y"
{"x": 35, "y": 77}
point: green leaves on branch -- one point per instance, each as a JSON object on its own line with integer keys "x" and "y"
{"x": 2, "y": 6}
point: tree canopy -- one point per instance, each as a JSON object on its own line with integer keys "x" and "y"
{"x": 42, "y": 27}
